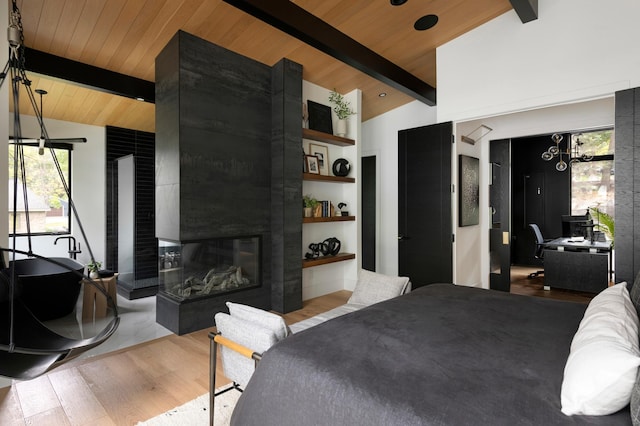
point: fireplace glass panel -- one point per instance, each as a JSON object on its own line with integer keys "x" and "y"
{"x": 196, "y": 269}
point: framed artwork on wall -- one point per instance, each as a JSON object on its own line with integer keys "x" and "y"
{"x": 469, "y": 190}
{"x": 319, "y": 117}
{"x": 322, "y": 152}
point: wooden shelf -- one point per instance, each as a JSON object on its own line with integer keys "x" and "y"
{"x": 327, "y": 138}
{"x": 323, "y": 178}
{"x": 324, "y": 260}
{"x": 328, "y": 219}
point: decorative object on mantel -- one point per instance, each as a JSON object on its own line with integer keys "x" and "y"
{"x": 343, "y": 110}
{"x": 319, "y": 117}
{"x": 329, "y": 247}
{"x": 341, "y": 167}
{"x": 309, "y": 203}
{"x": 573, "y": 153}
{"x": 322, "y": 152}
{"x": 472, "y": 140}
{"x": 342, "y": 205}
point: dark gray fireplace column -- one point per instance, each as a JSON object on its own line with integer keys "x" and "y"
{"x": 228, "y": 165}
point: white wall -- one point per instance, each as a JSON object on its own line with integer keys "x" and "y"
{"x": 575, "y": 50}
{"x": 88, "y": 180}
{"x": 380, "y": 138}
{"x": 557, "y": 73}
{"x": 320, "y": 280}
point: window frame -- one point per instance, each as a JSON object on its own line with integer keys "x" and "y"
{"x": 54, "y": 145}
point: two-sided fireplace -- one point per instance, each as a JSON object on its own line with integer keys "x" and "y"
{"x": 197, "y": 269}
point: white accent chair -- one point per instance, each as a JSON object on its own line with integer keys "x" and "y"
{"x": 245, "y": 333}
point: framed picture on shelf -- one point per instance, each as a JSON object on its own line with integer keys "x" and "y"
{"x": 319, "y": 117}
{"x": 312, "y": 164}
{"x": 322, "y": 152}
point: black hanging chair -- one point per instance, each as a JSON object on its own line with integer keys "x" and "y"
{"x": 40, "y": 329}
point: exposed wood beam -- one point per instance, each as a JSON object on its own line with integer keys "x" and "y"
{"x": 89, "y": 75}
{"x": 527, "y": 10}
{"x": 297, "y": 22}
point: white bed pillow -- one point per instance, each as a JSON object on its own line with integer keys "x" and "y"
{"x": 373, "y": 288}
{"x": 604, "y": 358}
{"x": 274, "y": 323}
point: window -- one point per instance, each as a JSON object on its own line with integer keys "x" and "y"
{"x": 593, "y": 182}
{"x": 47, "y": 200}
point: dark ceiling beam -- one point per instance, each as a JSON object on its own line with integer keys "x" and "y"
{"x": 527, "y": 10}
{"x": 88, "y": 76}
{"x": 297, "y": 22}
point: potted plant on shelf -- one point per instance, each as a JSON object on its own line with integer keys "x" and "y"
{"x": 343, "y": 110}
{"x": 309, "y": 204}
{"x": 93, "y": 267}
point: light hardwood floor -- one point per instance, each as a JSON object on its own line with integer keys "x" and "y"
{"x": 142, "y": 381}
{"x": 129, "y": 385}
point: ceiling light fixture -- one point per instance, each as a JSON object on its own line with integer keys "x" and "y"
{"x": 382, "y": 94}
{"x": 398, "y": 2}
{"x": 572, "y": 153}
{"x": 426, "y": 22}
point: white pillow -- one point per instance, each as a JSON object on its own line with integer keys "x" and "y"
{"x": 604, "y": 358}
{"x": 373, "y": 288}
{"x": 271, "y": 321}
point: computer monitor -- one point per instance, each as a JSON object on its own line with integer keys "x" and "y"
{"x": 577, "y": 226}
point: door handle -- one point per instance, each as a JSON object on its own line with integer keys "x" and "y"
{"x": 403, "y": 237}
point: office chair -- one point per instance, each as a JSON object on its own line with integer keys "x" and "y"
{"x": 539, "y": 248}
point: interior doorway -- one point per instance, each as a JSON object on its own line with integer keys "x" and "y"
{"x": 543, "y": 192}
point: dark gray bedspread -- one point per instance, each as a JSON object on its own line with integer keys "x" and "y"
{"x": 441, "y": 355}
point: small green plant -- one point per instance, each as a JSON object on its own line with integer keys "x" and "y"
{"x": 342, "y": 108}
{"x": 309, "y": 201}
{"x": 94, "y": 266}
{"x": 604, "y": 222}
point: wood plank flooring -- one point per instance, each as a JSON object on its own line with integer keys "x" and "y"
{"x": 142, "y": 381}
{"x": 129, "y": 385}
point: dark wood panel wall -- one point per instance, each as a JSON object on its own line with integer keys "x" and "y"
{"x": 627, "y": 232}
{"x": 286, "y": 188}
{"x": 540, "y": 194}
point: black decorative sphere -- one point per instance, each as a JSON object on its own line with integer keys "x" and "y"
{"x": 341, "y": 167}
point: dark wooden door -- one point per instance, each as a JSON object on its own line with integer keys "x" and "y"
{"x": 424, "y": 204}
{"x": 500, "y": 201}
{"x": 369, "y": 213}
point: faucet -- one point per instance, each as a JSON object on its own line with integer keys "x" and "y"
{"x": 73, "y": 251}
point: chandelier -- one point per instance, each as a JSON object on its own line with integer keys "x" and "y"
{"x": 572, "y": 153}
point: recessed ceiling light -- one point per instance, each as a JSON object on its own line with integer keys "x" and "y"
{"x": 398, "y": 2}
{"x": 426, "y": 22}
{"x": 382, "y": 94}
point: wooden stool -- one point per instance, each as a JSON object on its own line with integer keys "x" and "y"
{"x": 94, "y": 303}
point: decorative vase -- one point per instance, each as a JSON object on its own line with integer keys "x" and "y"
{"x": 307, "y": 211}
{"x": 94, "y": 274}
{"x": 341, "y": 128}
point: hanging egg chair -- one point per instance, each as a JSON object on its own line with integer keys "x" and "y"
{"x": 43, "y": 320}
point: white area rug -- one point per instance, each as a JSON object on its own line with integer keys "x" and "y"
{"x": 196, "y": 412}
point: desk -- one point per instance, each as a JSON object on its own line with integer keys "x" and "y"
{"x": 93, "y": 301}
{"x": 575, "y": 264}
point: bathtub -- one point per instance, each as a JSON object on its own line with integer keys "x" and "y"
{"x": 48, "y": 289}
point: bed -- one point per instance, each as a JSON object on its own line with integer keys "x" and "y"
{"x": 441, "y": 355}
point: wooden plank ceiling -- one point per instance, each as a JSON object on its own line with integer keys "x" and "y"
{"x": 126, "y": 36}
